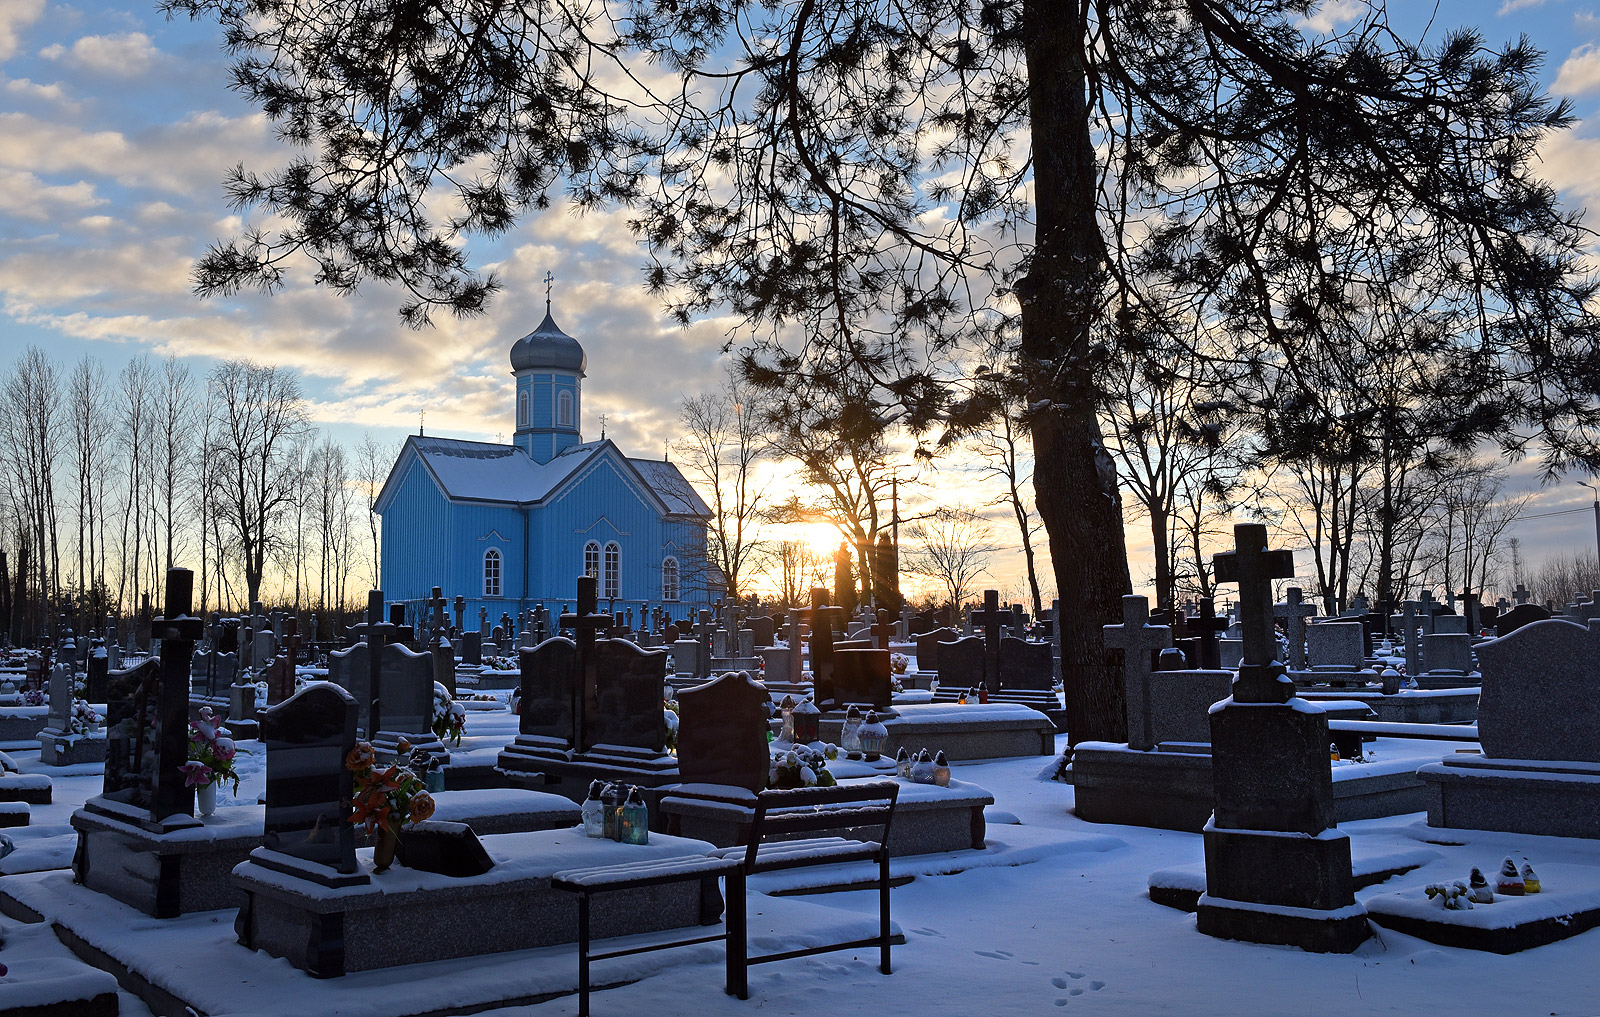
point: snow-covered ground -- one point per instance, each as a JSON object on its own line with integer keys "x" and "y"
{"x": 1067, "y": 926}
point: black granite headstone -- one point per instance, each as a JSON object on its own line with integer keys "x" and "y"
{"x": 407, "y": 683}
{"x": 762, "y": 630}
{"x": 548, "y": 690}
{"x": 1514, "y": 619}
{"x": 471, "y": 643}
{"x": 1025, "y": 665}
{"x": 450, "y": 849}
{"x": 860, "y": 676}
{"x": 350, "y": 670}
{"x": 722, "y": 732}
{"x": 130, "y": 697}
{"x": 627, "y": 707}
{"x": 928, "y": 647}
{"x": 308, "y": 736}
{"x": 961, "y": 663}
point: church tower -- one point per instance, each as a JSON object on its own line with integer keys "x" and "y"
{"x": 549, "y": 367}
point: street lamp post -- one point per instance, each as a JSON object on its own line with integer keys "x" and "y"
{"x": 1596, "y": 492}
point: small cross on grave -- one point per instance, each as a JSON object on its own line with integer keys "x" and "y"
{"x": 483, "y": 622}
{"x": 436, "y": 618}
{"x": 1254, "y": 567}
{"x": 882, "y": 629}
{"x": 821, "y": 618}
{"x": 1294, "y": 612}
{"x": 796, "y": 658}
{"x": 1426, "y": 611}
{"x": 460, "y": 606}
{"x": 1136, "y": 638}
{"x": 1520, "y": 594}
{"x": 585, "y": 624}
{"x": 993, "y": 620}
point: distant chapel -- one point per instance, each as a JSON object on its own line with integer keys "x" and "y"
{"x": 513, "y": 526}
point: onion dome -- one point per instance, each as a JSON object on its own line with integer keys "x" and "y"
{"x": 548, "y": 348}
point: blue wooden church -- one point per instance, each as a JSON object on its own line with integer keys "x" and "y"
{"x": 513, "y": 526}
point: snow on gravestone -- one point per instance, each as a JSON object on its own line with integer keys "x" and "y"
{"x": 351, "y": 670}
{"x": 1538, "y": 698}
{"x": 548, "y": 691}
{"x": 961, "y": 663}
{"x": 627, "y": 706}
{"x": 722, "y": 733}
{"x": 60, "y": 714}
{"x": 308, "y": 736}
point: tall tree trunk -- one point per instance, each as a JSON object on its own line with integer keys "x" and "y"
{"x": 1074, "y": 479}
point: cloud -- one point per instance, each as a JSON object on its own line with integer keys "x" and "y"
{"x": 1333, "y": 14}
{"x": 1569, "y": 163}
{"x": 15, "y": 15}
{"x": 27, "y": 197}
{"x": 1580, "y": 72}
{"x": 129, "y": 54}
{"x": 1512, "y": 6}
{"x": 33, "y": 90}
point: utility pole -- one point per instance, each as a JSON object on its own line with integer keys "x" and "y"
{"x": 1596, "y": 492}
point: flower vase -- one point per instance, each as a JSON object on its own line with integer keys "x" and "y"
{"x": 205, "y": 798}
{"x": 383, "y": 850}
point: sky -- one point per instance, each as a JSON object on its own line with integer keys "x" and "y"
{"x": 117, "y": 129}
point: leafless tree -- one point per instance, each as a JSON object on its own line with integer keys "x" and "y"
{"x": 92, "y": 430}
{"x": 372, "y": 469}
{"x": 330, "y": 479}
{"x": 794, "y": 568}
{"x": 261, "y": 416}
{"x": 721, "y": 444}
{"x": 175, "y": 413}
{"x": 135, "y": 383}
{"x": 1006, "y": 456}
{"x": 952, "y": 547}
{"x": 30, "y": 407}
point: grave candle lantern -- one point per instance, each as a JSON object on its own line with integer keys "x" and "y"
{"x": 850, "y": 734}
{"x": 787, "y": 707}
{"x": 807, "y": 722}
{"x": 871, "y": 736}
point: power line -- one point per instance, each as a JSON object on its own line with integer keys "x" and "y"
{"x": 1557, "y": 512}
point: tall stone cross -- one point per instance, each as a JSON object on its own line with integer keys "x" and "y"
{"x": 1520, "y": 594}
{"x": 178, "y": 631}
{"x": 703, "y": 630}
{"x": 992, "y": 619}
{"x": 1254, "y": 567}
{"x": 436, "y": 616}
{"x": 1294, "y": 612}
{"x": 1208, "y": 628}
{"x": 585, "y": 624}
{"x": 821, "y": 618}
{"x": 292, "y": 642}
{"x": 483, "y": 622}
{"x": 1135, "y": 637}
{"x": 379, "y": 631}
{"x": 1470, "y": 607}
{"x": 1409, "y": 619}
{"x": 460, "y": 606}
{"x": 882, "y": 629}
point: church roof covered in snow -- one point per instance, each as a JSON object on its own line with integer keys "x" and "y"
{"x": 484, "y": 471}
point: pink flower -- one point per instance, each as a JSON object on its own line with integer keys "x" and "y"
{"x": 195, "y": 773}
{"x": 223, "y": 749}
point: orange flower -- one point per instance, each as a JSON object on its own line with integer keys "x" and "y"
{"x": 361, "y": 757}
{"x": 421, "y": 807}
{"x": 402, "y": 746}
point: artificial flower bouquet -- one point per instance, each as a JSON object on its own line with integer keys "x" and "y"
{"x": 385, "y": 798}
{"x": 211, "y": 753}
{"x": 449, "y": 716}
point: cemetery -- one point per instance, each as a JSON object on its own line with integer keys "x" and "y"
{"x": 1004, "y": 509}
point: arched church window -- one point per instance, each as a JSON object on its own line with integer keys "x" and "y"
{"x": 591, "y": 559}
{"x": 613, "y": 567}
{"x": 564, "y": 409}
{"x": 669, "y": 579}
{"x": 491, "y": 573}
{"x": 522, "y": 409}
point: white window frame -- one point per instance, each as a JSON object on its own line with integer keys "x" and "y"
{"x": 492, "y": 560}
{"x": 670, "y": 579}
{"x": 591, "y": 559}
{"x": 522, "y": 408}
{"x": 564, "y": 409}
{"x": 611, "y": 581}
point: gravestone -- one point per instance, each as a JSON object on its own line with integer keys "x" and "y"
{"x": 406, "y": 681}
{"x": 860, "y": 677}
{"x": 128, "y": 733}
{"x": 215, "y": 671}
{"x": 961, "y": 663}
{"x": 94, "y": 689}
{"x": 471, "y": 649}
{"x": 626, "y": 708}
{"x": 722, "y": 733}
{"x": 993, "y": 619}
{"x": 1449, "y": 624}
{"x": 549, "y": 692}
{"x": 1293, "y": 612}
{"x": 1025, "y": 665}
{"x": 1447, "y": 652}
{"x": 1517, "y": 617}
{"x": 1334, "y": 646}
{"x": 351, "y": 670}
{"x": 1207, "y": 629}
{"x": 762, "y": 630}
{"x": 308, "y": 736}
{"x": 279, "y": 676}
{"x": 1180, "y": 704}
{"x": 1136, "y": 639}
{"x": 686, "y": 657}
{"x": 1538, "y": 698}
{"x": 1230, "y": 653}
{"x": 1276, "y": 869}
{"x": 928, "y": 647}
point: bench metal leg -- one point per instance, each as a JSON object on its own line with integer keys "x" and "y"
{"x": 738, "y": 940}
{"x": 883, "y": 913}
{"x": 583, "y": 955}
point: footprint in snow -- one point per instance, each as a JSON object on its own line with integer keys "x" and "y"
{"x": 995, "y": 954}
{"x": 928, "y": 932}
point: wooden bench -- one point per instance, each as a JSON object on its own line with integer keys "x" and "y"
{"x": 780, "y": 816}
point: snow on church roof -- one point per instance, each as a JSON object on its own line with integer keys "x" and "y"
{"x": 483, "y": 471}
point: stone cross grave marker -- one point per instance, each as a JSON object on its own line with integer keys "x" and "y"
{"x": 1410, "y": 618}
{"x": 704, "y": 629}
{"x": 483, "y": 622}
{"x": 1253, "y": 567}
{"x": 379, "y": 632}
{"x": 460, "y": 605}
{"x": 1207, "y": 628}
{"x": 1426, "y": 600}
{"x": 1136, "y": 638}
{"x": 822, "y": 618}
{"x": 993, "y": 619}
{"x": 1294, "y": 611}
{"x": 444, "y": 656}
{"x": 585, "y": 624}
{"x": 1520, "y": 594}
{"x": 308, "y": 736}
{"x": 796, "y": 654}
